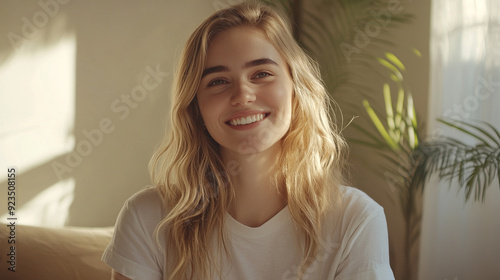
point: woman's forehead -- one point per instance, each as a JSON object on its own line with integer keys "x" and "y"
{"x": 241, "y": 44}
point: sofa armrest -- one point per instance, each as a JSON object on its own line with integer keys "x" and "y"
{"x": 55, "y": 253}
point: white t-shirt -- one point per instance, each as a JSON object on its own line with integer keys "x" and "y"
{"x": 356, "y": 243}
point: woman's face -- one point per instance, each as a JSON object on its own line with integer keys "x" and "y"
{"x": 245, "y": 95}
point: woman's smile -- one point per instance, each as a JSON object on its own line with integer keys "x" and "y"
{"x": 246, "y": 117}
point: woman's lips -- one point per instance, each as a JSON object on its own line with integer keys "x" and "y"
{"x": 246, "y": 118}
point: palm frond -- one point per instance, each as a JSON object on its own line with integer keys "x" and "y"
{"x": 458, "y": 125}
{"x": 473, "y": 166}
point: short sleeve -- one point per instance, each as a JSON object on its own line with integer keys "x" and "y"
{"x": 133, "y": 251}
{"x": 365, "y": 255}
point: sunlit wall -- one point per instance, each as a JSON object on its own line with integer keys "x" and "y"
{"x": 37, "y": 93}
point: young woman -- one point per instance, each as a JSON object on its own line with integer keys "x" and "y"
{"x": 248, "y": 178}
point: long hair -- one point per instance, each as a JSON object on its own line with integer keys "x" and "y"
{"x": 188, "y": 170}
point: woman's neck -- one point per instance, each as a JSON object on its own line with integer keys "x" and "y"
{"x": 257, "y": 198}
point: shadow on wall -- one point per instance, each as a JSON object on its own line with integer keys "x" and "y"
{"x": 108, "y": 116}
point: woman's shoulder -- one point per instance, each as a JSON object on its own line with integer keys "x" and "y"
{"x": 355, "y": 198}
{"x": 356, "y": 206}
{"x": 355, "y": 210}
{"x": 144, "y": 205}
{"x": 147, "y": 195}
{"x": 133, "y": 247}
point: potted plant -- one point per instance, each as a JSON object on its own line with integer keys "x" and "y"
{"x": 411, "y": 161}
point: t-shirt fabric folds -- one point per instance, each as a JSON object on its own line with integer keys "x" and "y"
{"x": 355, "y": 243}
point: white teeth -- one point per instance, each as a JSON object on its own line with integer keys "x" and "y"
{"x": 247, "y": 120}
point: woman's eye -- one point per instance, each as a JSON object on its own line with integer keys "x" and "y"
{"x": 262, "y": 75}
{"x": 216, "y": 82}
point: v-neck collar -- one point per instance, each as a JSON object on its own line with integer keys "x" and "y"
{"x": 270, "y": 226}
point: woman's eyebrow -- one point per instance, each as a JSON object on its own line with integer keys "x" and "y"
{"x": 260, "y": 61}
{"x": 214, "y": 69}
{"x": 252, "y": 63}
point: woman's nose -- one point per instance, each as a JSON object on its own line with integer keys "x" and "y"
{"x": 242, "y": 94}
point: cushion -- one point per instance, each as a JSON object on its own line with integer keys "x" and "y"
{"x": 55, "y": 253}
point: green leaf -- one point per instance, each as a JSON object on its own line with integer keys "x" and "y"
{"x": 411, "y": 111}
{"x": 483, "y": 131}
{"x": 389, "y": 112}
{"x": 391, "y": 67}
{"x": 399, "y": 110}
{"x": 494, "y": 130}
{"x": 392, "y": 58}
{"x": 380, "y": 127}
{"x": 417, "y": 52}
{"x": 394, "y": 78}
{"x": 412, "y": 136}
{"x": 463, "y": 130}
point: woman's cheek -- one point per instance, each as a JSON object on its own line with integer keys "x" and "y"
{"x": 280, "y": 96}
{"x": 212, "y": 108}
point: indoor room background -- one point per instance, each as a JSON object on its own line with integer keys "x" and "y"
{"x": 85, "y": 93}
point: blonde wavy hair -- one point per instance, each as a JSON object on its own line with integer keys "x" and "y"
{"x": 188, "y": 171}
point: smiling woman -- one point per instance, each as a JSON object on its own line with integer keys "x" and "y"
{"x": 248, "y": 179}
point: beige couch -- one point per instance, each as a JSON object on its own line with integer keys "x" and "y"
{"x": 55, "y": 253}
